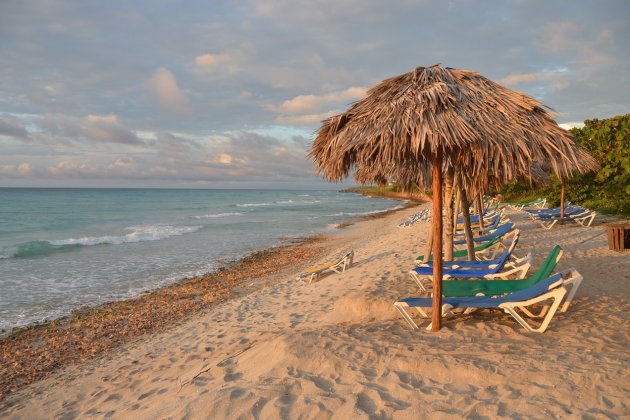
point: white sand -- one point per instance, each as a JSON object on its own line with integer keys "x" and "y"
{"x": 337, "y": 348}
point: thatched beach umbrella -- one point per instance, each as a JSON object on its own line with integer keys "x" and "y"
{"x": 434, "y": 118}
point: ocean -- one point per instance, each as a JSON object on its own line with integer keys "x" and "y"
{"x": 64, "y": 249}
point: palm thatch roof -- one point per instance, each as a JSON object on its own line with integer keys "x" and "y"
{"x": 489, "y": 132}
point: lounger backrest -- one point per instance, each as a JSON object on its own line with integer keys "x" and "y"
{"x": 535, "y": 290}
{"x": 496, "y": 222}
{"x": 506, "y": 254}
{"x": 548, "y": 265}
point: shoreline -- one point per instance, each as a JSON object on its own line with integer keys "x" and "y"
{"x": 92, "y": 332}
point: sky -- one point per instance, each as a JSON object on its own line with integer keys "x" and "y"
{"x": 229, "y": 94}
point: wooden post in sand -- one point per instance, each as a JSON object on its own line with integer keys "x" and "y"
{"x": 448, "y": 205}
{"x": 479, "y": 206}
{"x": 428, "y": 246}
{"x": 562, "y": 192}
{"x": 436, "y": 310}
{"x": 470, "y": 246}
{"x": 457, "y": 204}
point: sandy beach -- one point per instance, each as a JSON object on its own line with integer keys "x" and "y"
{"x": 338, "y": 349}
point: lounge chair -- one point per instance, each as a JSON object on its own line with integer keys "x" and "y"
{"x": 492, "y": 271}
{"x": 500, "y": 231}
{"x": 422, "y": 216}
{"x": 568, "y": 211}
{"x": 584, "y": 218}
{"x": 550, "y": 288}
{"x": 489, "y": 217}
{"x": 539, "y": 203}
{"x": 486, "y": 250}
{"x": 491, "y": 286}
{"x": 567, "y": 204}
{"x": 488, "y": 229}
{"x": 463, "y": 264}
{"x": 338, "y": 266}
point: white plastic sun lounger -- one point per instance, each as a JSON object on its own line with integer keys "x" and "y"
{"x": 585, "y": 219}
{"x": 553, "y": 288}
{"x": 338, "y": 266}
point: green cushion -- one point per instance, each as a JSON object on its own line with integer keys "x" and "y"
{"x": 499, "y": 287}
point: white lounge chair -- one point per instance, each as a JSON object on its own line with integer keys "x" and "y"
{"x": 338, "y": 266}
{"x": 584, "y": 219}
{"x": 553, "y": 288}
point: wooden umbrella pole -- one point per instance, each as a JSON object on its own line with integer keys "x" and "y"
{"x": 457, "y": 205}
{"x": 428, "y": 246}
{"x": 479, "y": 206}
{"x": 562, "y": 192}
{"x": 436, "y": 313}
{"x": 470, "y": 246}
{"x": 448, "y": 222}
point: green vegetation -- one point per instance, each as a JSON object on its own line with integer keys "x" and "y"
{"x": 608, "y": 191}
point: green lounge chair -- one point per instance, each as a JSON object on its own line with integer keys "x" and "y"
{"x": 488, "y": 286}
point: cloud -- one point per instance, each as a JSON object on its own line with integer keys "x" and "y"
{"x": 58, "y": 128}
{"x": 312, "y": 103}
{"x": 224, "y": 159}
{"x": 557, "y": 79}
{"x": 174, "y": 147}
{"x": 582, "y": 45}
{"x": 164, "y": 87}
{"x": 25, "y": 169}
{"x": 206, "y": 62}
{"x": 572, "y": 124}
{"x": 242, "y": 158}
{"x": 16, "y": 171}
{"x": 11, "y": 128}
{"x": 107, "y": 128}
{"x": 307, "y": 109}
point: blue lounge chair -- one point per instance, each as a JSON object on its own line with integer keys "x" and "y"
{"x": 550, "y": 288}
{"x": 500, "y": 231}
{"x": 481, "y": 264}
{"x": 488, "y": 229}
{"x": 571, "y": 210}
{"x": 475, "y": 217}
{"x": 490, "y": 271}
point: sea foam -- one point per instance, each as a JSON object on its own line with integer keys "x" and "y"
{"x": 135, "y": 234}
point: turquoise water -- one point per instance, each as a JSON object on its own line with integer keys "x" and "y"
{"x": 61, "y": 249}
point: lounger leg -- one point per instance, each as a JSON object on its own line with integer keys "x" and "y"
{"x": 556, "y": 295}
{"x": 574, "y": 283}
{"x": 401, "y": 308}
{"x": 530, "y": 314}
{"x": 586, "y": 221}
{"x": 418, "y": 280}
